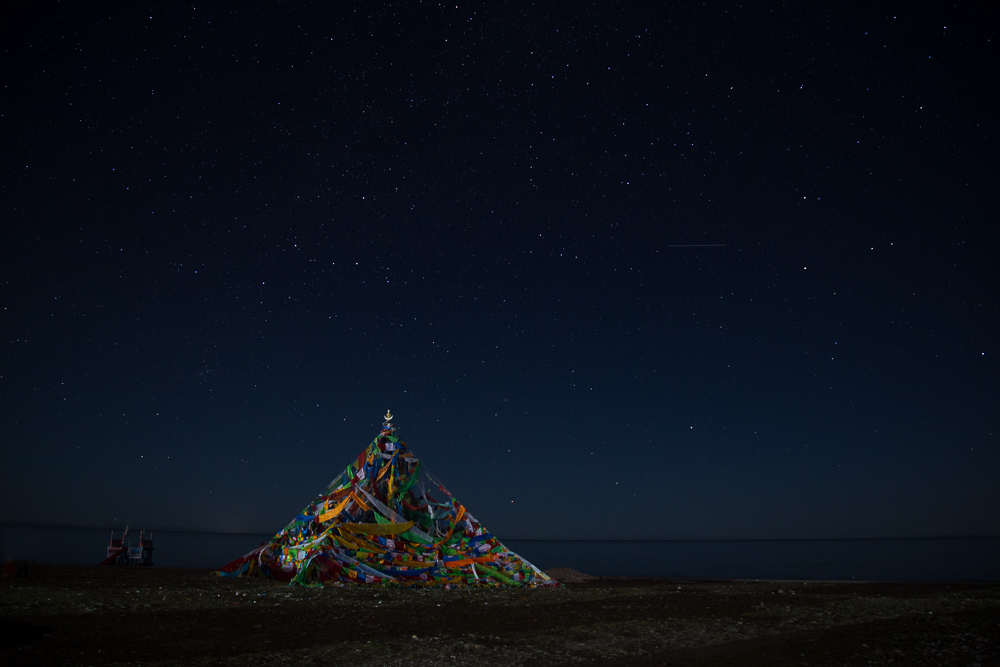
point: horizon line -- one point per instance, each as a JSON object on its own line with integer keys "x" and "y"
{"x": 5, "y": 524}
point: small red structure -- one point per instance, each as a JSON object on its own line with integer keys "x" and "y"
{"x": 121, "y": 551}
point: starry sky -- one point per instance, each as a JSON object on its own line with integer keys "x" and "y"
{"x": 714, "y": 271}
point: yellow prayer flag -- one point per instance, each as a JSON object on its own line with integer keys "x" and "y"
{"x": 377, "y": 528}
{"x": 335, "y": 511}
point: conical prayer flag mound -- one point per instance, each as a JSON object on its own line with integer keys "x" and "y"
{"x": 386, "y": 519}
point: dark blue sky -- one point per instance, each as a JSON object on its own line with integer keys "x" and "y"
{"x": 234, "y": 235}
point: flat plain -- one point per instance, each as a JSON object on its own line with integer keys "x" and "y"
{"x": 88, "y": 615}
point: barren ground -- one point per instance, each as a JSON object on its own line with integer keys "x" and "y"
{"x": 162, "y": 616}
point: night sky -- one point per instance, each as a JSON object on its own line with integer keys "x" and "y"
{"x": 715, "y": 271}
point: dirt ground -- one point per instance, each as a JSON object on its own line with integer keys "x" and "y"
{"x": 161, "y": 616}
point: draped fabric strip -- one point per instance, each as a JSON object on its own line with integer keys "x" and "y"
{"x": 332, "y": 514}
{"x": 377, "y": 528}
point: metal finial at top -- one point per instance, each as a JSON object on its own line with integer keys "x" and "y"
{"x": 388, "y": 415}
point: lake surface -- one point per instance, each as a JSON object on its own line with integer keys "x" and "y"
{"x": 918, "y": 559}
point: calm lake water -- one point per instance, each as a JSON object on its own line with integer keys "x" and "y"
{"x": 938, "y": 559}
